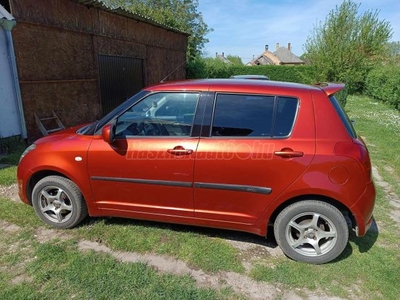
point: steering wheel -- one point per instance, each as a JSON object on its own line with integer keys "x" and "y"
{"x": 152, "y": 127}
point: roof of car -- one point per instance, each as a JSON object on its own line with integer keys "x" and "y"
{"x": 260, "y": 77}
{"x": 243, "y": 85}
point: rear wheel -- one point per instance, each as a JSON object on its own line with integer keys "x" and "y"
{"x": 58, "y": 202}
{"x": 311, "y": 231}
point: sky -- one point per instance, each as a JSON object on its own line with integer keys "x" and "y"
{"x": 243, "y": 27}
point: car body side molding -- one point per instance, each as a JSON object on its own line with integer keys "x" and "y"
{"x": 144, "y": 181}
{"x": 234, "y": 187}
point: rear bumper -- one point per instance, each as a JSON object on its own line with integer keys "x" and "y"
{"x": 362, "y": 210}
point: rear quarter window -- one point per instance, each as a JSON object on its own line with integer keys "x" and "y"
{"x": 343, "y": 116}
{"x": 286, "y": 109}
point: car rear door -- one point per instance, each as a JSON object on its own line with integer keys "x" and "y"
{"x": 252, "y": 149}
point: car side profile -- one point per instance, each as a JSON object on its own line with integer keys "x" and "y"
{"x": 246, "y": 155}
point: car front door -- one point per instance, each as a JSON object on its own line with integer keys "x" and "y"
{"x": 149, "y": 167}
{"x": 251, "y": 153}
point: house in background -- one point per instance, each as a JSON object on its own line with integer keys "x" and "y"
{"x": 222, "y": 58}
{"x": 80, "y": 59}
{"x": 282, "y": 56}
{"x": 11, "y": 111}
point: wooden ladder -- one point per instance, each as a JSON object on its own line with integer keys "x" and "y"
{"x": 53, "y": 122}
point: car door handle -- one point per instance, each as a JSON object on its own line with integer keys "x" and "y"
{"x": 179, "y": 150}
{"x": 289, "y": 153}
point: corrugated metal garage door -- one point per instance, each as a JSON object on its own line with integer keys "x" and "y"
{"x": 120, "y": 78}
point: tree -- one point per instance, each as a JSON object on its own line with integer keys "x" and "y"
{"x": 348, "y": 45}
{"x": 394, "y": 52}
{"x": 179, "y": 14}
{"x": 234, "y": 59}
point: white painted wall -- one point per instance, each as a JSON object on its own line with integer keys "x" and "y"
{"x": 9, "y": 114}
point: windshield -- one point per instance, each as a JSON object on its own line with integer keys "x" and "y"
{"x": 95, "y": 126}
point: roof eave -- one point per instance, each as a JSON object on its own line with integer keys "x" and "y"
{"x": 126, "y": 13}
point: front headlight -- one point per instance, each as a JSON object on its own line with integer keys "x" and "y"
{"x": 27, "y": 150}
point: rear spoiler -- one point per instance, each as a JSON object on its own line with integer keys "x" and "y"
{"x": 330, "y": 88}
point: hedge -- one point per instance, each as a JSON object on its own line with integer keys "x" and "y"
{"x": 383, "y": 83}
{"x": 210, "y": 69}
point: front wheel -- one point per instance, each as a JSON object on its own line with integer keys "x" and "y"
{"x": 311, "y": 231}
{"x": 58, "y": 202}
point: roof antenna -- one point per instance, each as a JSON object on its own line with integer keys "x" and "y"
{"x": 173, "y": 71}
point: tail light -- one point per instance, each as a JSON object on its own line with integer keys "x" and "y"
{"x": 357, "y": 150}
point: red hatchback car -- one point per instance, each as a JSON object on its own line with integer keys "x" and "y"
{"x": 233, "y": 154}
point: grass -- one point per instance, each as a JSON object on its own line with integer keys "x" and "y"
{"x": 8, "y": 175}
{"x": 13, "y": 147}
{"x": 379, "y": 124}
{"x": 197, "y": 249}
{"x": 369, "y": 268}
{"x": 58, "y": 270}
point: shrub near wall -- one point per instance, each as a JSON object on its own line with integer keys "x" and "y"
{"x": 383, "y": 83}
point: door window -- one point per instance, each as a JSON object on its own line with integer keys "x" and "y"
{"x": 161, "y": 114}
{"x": 253, "y": 116}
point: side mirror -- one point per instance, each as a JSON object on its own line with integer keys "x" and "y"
{"x": 108, "y": 133}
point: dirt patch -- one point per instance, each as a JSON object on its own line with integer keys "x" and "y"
{"x": 21, "y": 278}
{"x": 44, "y": 235}
{"x": 238, "y": 282}
{"x": 10, "y": 192}
{"x": 9, "y": 227}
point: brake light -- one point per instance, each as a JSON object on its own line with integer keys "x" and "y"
{"x": 356, "y": 150}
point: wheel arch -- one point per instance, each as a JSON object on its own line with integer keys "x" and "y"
{"x": 340, "y": 206}
{"x": 36, "y": 177}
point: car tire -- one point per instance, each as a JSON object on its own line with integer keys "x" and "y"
{"x": 311, "y": 231}
{"x": 59, "y": 202}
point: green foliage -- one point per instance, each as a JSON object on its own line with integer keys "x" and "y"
{"x": 179, "y": 14}
{"x": 236, "y": 60}
{"x": 214, "y": 68}
{"x": 11, "y": 150}
{"x": 393, "y": 49}
{"x": 348, "y": 45}
{"x": 11, "y": 144}
{"x": 383, "y": 83}
{"x": 196, "y": 68}
{"x": 341, "y": 96}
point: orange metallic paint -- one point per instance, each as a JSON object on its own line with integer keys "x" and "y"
{"x": 141, "y": 178}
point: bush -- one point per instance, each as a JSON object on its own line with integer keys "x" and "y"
{"x": 212, "y": 68}
{"x": 383, "y": 83}
{"x": 11, "y": 144}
